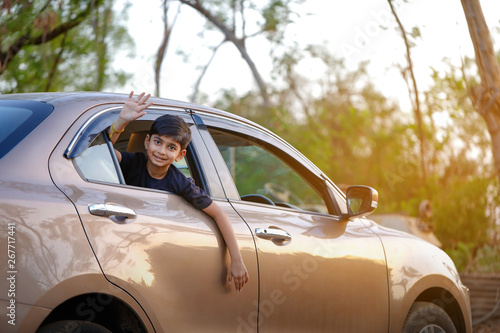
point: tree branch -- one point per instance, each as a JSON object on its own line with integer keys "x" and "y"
{"x": 487, "y": 98}
{"x": 28, "y": 39}
{"x": 160, "y": 55}
{"x": 57, "y": 60}
{"x": 418, "y": 114}
{"x": 194, "y": 96}
{"x": 238, "y": 42}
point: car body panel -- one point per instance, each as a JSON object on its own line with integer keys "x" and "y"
{"x": 331, "y": 276}
{"x": 421, "y": 266}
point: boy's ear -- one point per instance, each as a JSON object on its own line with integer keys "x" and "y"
{"x": 146, "y": 141}
{"x": 181, "y": 155}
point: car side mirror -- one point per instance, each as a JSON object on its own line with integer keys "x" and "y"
{"x": 361, "y": 201}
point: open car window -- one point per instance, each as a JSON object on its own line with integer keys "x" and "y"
{"x": 97, "y": 162}
{"x": 261, "y": 176}
{"x": 133, "y": 142}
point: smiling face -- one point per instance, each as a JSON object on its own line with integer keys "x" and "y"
{"x": 162, "y": 151}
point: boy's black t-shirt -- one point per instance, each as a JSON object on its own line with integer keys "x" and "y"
{"x": 135, "y": 173}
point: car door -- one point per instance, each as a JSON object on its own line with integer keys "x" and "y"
{"x": 168, "y": 255}
{"x": 317, "y": 273}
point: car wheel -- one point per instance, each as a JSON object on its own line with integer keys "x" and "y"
{"x": 73, "y": 326}
{"x": 426, "y": 317}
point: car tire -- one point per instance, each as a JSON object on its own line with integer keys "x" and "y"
{"x": 426, "y": 317}
{"x": 73, "y": 326}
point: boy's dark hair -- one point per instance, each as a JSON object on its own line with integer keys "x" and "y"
{"x": 172, "y": 126}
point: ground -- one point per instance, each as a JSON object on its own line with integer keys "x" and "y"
{"x": 489, "y": 326}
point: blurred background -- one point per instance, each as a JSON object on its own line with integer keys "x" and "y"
{"x": 398, "y": 95}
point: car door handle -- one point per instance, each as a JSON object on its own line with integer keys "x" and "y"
{"x": 274, "y": 234}
{"x": 117, "y": 213}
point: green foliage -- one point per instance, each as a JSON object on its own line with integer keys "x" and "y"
{"x": 469, "y": 257}
{"x": 77, "y": 59}
{"x": 461, "y": 255}
{"x": 459, "y": 210}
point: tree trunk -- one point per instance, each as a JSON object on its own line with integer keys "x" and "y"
{"x": 486, "y": 97}
{"x": 238, "y": 42}
{"x": 101, "y": 21}
{"x": 160, "y": 54}
{"x": 196, "y": 89}
{"x": 418, "y": 113}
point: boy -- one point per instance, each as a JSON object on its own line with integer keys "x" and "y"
{"x": 165, "y": 144}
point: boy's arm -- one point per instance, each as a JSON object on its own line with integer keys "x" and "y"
{"x": 132, "y": 110}
{"x": 237, "y": 272}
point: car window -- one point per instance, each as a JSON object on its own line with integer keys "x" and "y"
{"x": 259, "y": 175}
{"x": 133, "y": 142}
{"x": 96, "y": 162}
{"x": 18, "y": 119}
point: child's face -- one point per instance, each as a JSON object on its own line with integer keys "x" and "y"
{"x": 162, "y": 150}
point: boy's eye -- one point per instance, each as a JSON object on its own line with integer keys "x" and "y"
{"x": 157, "y": 142}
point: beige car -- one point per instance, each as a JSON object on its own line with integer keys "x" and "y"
{"x": 84, "y": 252}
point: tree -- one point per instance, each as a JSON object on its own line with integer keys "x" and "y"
{"x": 230, "y": 18}
{"x": 49, "y": 46}
{"x": 486, "y": 96}
{"x": 33, "y": 23}
{"x": 460, "y": 174}
{"x": 162, "y": 49}
{"x": 347, "y": 128}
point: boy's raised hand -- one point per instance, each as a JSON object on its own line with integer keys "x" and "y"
{"x": 134, "y": 108}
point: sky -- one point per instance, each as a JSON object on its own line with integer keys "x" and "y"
{"x": 357, "y": 30}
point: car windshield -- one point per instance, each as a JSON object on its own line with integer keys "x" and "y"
{"x": 18, "y": 119}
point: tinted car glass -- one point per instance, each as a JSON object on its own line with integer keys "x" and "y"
{"x": 96, "y": 162}
{"x": 257, "y": 171}
{"x": 18, "y": 119}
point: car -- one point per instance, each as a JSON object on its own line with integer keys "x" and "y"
{"x": 83, "y": 251}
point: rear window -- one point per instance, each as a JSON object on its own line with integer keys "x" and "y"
{"x": 18, "y": 119}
